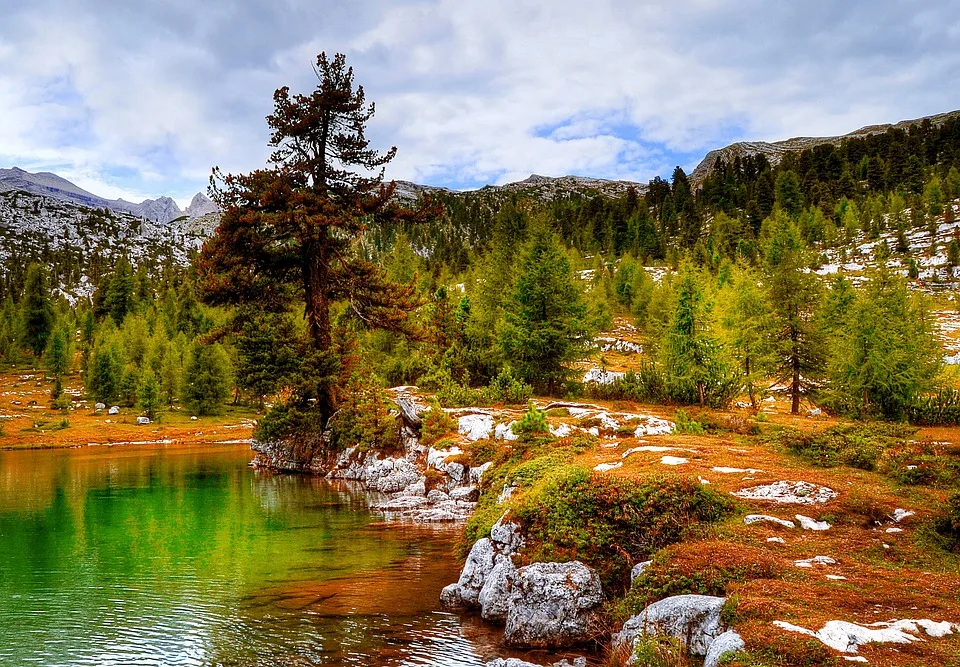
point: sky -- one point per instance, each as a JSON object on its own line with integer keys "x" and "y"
{"x": 142, "y": 99}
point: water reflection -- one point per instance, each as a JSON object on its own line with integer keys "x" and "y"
{"x": 184, "y": 556}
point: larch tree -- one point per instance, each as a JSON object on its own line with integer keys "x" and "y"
{"x": 289, "y": 233}
{"x": 37, "y": 309}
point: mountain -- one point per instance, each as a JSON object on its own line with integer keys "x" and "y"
{"x": 774, "y": 151}
{"x": 45, "y": 184}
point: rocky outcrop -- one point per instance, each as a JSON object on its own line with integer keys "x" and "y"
{"x": 727, "y": 643}
{"x": 693, "y": 619}
{"x": 552, "y": 604}
{"x": 486, "y": 579}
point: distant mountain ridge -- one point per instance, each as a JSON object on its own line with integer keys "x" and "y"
{"x": 161, "y": 210}
{"x": 774, "y": 151}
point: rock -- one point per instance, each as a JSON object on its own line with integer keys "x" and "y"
{"x": 847, "y": 637}
{"x": 505, "y": 493}
{"x": 418, "y": 488}
{"x": 494, "y": 598}
{"x": 114, "y": 410}
{"x": 552, "y": 605}
{"x": 506, "y": 536}
{"x": 505, "y": 432}
{"x": 757, "y": 518}
{"x": 606, "y": 467}
{"x": 476, "y": 473}
{"x": 99, "y": 406}
{"x": 639, "y": 569}
{"x": 800, "y": 493}
{"x": 693, "y": 619}
{"x": 437, "y": 496}
{"x": 599, "y": 376}
{"x": 816, "y": 560}
{"x": 673, "y": 460}
{"x": 776, "y": 540}
{"x": 470, "y": 494}
{"x": 480, "y": 562}
{"x": 901, "y": 514}
{"x": 653, "y": 426}
{"x": 143, "y": 421}
{"x": 510, "y": 662}
{"x": 450, "y": 597}
{"x": 806, "y": 523}
{"x": 728, "y": 642}
{"x": 475, "y": 426}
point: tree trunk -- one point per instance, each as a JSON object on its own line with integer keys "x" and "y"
{"x": 795, "y": 385}
{"x": 701, "y": 392}
{"x": 750, "y": 392}
{"x": 316, "y": 274}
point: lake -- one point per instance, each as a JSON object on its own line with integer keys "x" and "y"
{"x": 147, "y": 555}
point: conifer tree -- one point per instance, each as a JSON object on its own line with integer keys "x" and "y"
{"x": 545, "y": 328}
{"x": 148, "y": 397}
{"x": 207, "y": 382}
{"x": 57, "y": 358}
{"x": 120, "y": 294}
{"x": 36, "y": 310}
{"x": 794, "y": 296}
{"x": 288, "y": 234}
{"x": 748, "y": 329}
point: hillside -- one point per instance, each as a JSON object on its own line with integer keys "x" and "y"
{"x": 774, "y": 151}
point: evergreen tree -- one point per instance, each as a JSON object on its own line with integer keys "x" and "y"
{"x": 149, "y": 395}
{"x": 36, "y": 310}
{"x": 749, "y": 333}
{"x": 57, "y": 358}
{"x": 170, "y": 374}
{"x": 104, "y": 382}
{"x": 691, "y": 356}
{"x": 545, "y": 328}
{"x": 794, "y": 297}
{"x": 207, "y": 382}
{"x": 266, "y": 354}
{"x": 120, "y": 294}
{"x": 889, "y": 352}
{"x": 788, "y": 193}
{"x": 289, "y": 234}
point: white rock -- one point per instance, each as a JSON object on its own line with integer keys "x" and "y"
{"x": 847, "y": 637}
{"x": 552, "y": 605}
{"x": 477, "y": 472}
{"x": 561, "y": 431}
{"x": 901, "y": 514}
{"x": 735, "y": 471}
{"x": 475, "y": 426}
{"x": 799, "y": 493}
{"x": 99, "y": 406}
{"x": 806, "y": 523}
{"x": 507, "y": 537}
{"x": 776, "y": 540}
{"x": 647, "y": 448}
{"x": 693, "y": 619}
{"x": 505, "y": 432}
{"x": 727, "y": 643}
{"x": 604, "y": 467}
{"x": 751, "y": 519}
{"x": 599, "y": 376}
{"x": 673, "y": 460}
{"x": 639, "y": 569}
{"x": 143, "y": 421}
{"x": 836, "y": 577}
{"x": 114, "y": 410}
{"x": 494, "y": 597}
{"x": 816, "y": 560}
{"x": 894, "y": 530}
{"x": 650, "y": 425}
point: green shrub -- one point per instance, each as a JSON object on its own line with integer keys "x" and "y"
{"x": 610, "y": 522}
{"x": 947, "y": 525}
{"x": 684, "y": 424}
{"x": 939, "y": 409}
{"x": 660, "y": 651}
{"x": 855, "y": 445}
{"x": 534, "y": 420}
{"x": 436, "y": 424}
{"x": 643, "y": 385}
{"x": 364, "y": 419}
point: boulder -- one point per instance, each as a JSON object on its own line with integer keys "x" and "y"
{"x": 143, "y": 421}
{"x": 693, "y": 619}
{"x": 506, "y": 536}
{"x": 114, "y": 410}
{"x": 552, "y": 605}
{"x": 99, "y": 406}
{"x": 479, "y": 563}
{"x": 494, "y": 598}
{"x": 471, "y": 494}
{"x": 727, "y": 643}
{"x": 639, "y": 569}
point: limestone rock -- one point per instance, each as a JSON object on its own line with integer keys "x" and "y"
{"x": 693, "y": 619}
{"x": 552, "y": 605}
{"x": 728, "y": 642}
{"x": 639, "y": 569}
{"x": 506, "y": 536}
{"x": 114, "y": 410}
{"x": 479, "y": 563}
{"x": 494, "y": 598}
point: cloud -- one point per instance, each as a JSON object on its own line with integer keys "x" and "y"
{"x": 146, "y": 97}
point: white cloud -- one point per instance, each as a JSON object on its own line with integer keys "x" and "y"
{"x": 148, "y": 100}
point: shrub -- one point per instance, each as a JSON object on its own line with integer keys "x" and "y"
{"x": 436, "y": 424}
{"x": 365, "y": 418}
{"x": 534, "y": 420}
{"x": 948, "y": 525}
{"x": 939, "y": 409}
{"x": 659, "y": 651}
{"x": 610, "y": 522}
{"x": 643, "y": 385}
{"x": 855, "y": 445}
{"x": 684, "y": 424}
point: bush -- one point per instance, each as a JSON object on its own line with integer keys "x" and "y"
{"x": 855, "y": 445}
{"x": 660, "y": 651}
{"x": 644, "y": 385}
{"x": 364, "y": 420}
{"x": 208, "y": 380}
{"x": 436, "y": 424}
{"x": 939, "y": 409}
{"x": 684, "y": 424}
{"x": 533, "y": 421}
{"x": 948, "y": 525}
{"x": 610, "y": 522}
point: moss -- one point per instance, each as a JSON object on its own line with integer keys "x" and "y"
{"x": 610, "y": 522}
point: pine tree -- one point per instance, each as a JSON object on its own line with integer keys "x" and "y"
{"x": 691, "y": 356}
{"x": 170, "y": 374}
{"x": 888, "y": 353}
{"x": 148, "y": 397}
{"x": 120, "y": 296}
{"x": 207, "y": 382}
{"x": 794, "y": 297}
{"x": 36, "y": 310}
{"x": 288, "y": 234}
{"x": 788, "y": 194}
{"x": 104, "y": 382}
{"x": 748, "y": 329}
{"x": 57, "y": 358}
{"x": 266, "y": 354}
{"x": 545, "y": 329}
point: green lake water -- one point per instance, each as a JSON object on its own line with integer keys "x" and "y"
{"x": 185, "y": 556}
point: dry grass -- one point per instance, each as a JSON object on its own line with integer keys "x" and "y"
{"x": 31, "y": 423}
